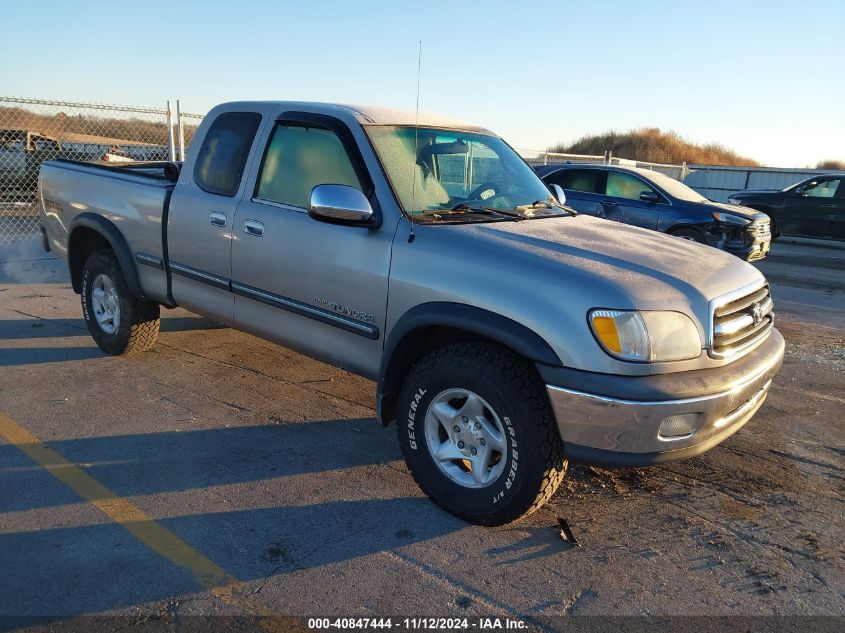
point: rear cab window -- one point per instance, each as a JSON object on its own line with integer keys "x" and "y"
{"x": 222, "y": 158}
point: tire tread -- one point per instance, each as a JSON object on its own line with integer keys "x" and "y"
{"x": 521, "y": 381}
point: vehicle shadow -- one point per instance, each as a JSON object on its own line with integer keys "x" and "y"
{"x": 151, "y": 463}
{"x": 20, "y": 329}
{"x": 111, "y": 570}
{"x": 63, "y": 571}
{"x": 14, "y": 356}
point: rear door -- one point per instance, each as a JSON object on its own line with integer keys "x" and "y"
{"x": 622, "y": 198}
{"x": 315, "y": 287}
{"x": 202, "y": 210}
{"x": 583, "y": 188}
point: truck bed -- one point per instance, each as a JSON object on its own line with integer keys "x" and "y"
{"x": 159, "y": 170}
{"x": 132, "y": 196}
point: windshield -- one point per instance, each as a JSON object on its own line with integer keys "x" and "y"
{"x": 444, "y": 175}
{"x": 674, "y": 188}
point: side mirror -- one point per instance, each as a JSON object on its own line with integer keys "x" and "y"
{"x": 803, "y": 188}
{"x": 340, "y": 204}
{"x": 649, "y": 196}
{"x": 557, "y": 190}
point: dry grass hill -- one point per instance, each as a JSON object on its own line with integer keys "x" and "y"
{"x": 654, "y": 145}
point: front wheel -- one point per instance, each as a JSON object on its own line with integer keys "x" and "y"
{"x": 693, "y": 235}
{"x": 478, "y": 433}
{"x": 119, "y": 322}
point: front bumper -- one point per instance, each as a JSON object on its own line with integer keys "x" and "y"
{"x": 621, "y": 424}
{"x": 751, "y": 242}
{"x": 750, "y": 252}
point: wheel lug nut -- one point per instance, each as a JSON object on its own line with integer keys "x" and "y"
{"x": 477, "y": 425}
{"x": 461, "y": 444}
{"x": 464, "y": 419}
{"x": 482, "y": 441}
{"x": 456, "y": 429}
{"x": 473, "y": 450}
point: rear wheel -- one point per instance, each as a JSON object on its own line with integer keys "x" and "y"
{"x": 478, "y": 433}
{"x": 119, "y": 322}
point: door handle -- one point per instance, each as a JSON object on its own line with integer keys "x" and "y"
{"x": 254, "y": 227}
{"x": 610, "y": 203}
{"x": 828, "y": 206}
{"x": 217, "y": 218}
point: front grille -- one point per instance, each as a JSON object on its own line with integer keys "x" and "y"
{"x": 740, "y": 320}
{"x": 760, "y": 230}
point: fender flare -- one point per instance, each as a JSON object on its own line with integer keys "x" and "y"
{"x": 474, "y": 320}
{"x": 109, "y": 231}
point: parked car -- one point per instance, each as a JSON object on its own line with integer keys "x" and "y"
{"x": 21, "y": 155}
{"x": 655, "y": 201}
{"x": 813, "y": 207}
{"x": 505, "y": 332}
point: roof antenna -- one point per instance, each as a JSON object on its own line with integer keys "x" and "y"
{"x": 411, "y": 234}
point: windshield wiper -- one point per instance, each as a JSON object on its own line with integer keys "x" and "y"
{"x": 548, "y": 204}
{"x": 463, "y": 206}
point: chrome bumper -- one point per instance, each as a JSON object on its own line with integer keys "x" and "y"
{"x": 626, "y": 432}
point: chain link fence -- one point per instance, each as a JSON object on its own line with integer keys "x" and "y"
{"x": 536, "y": 158}
{"x": 35, "y": 130}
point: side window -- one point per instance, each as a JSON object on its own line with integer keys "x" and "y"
{"x": 586, "y": 180}
{"x": 622, "y": 185}
{"x": 299, "y": 158}
{"x": 222, "y": 157}
{"x": 824, "y": 189}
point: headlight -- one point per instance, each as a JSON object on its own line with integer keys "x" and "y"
{"x": 647, "y": 337}
{"x": 727, "y": 218}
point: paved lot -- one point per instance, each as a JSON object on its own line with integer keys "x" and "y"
{"x": 221, "y": 474}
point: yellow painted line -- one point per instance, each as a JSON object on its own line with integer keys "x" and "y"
{"x": 162, "y": 541}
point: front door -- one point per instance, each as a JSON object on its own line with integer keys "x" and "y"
{"x": 315, "y": 287}
{"x": 819, "y": 210}
{"x": 622, "y": 192}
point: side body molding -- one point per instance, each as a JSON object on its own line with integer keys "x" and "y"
{"x": 110, "y": 232}
{"x": 412, "y": 329}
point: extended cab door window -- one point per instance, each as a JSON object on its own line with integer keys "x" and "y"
{"x": 299, "y": 158}
{"x": 222, "y": 157}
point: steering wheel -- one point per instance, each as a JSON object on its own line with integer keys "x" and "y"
{"x": 485, "y": 186}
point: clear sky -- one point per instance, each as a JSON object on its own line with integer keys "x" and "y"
{"x": 763, "y": 78}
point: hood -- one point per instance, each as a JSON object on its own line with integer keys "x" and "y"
{"x": 654, "y": 270}
{"x": 734, "y": 209}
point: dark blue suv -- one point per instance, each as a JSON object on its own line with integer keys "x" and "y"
{"x": 655, "y": 201}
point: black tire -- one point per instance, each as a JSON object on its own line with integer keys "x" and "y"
{"x": 535, "y": 464}
{"x": 138, "y": 322}
{"x": 693, "y": 235}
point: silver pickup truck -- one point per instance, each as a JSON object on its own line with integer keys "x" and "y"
{"x": 506, "y": 333}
